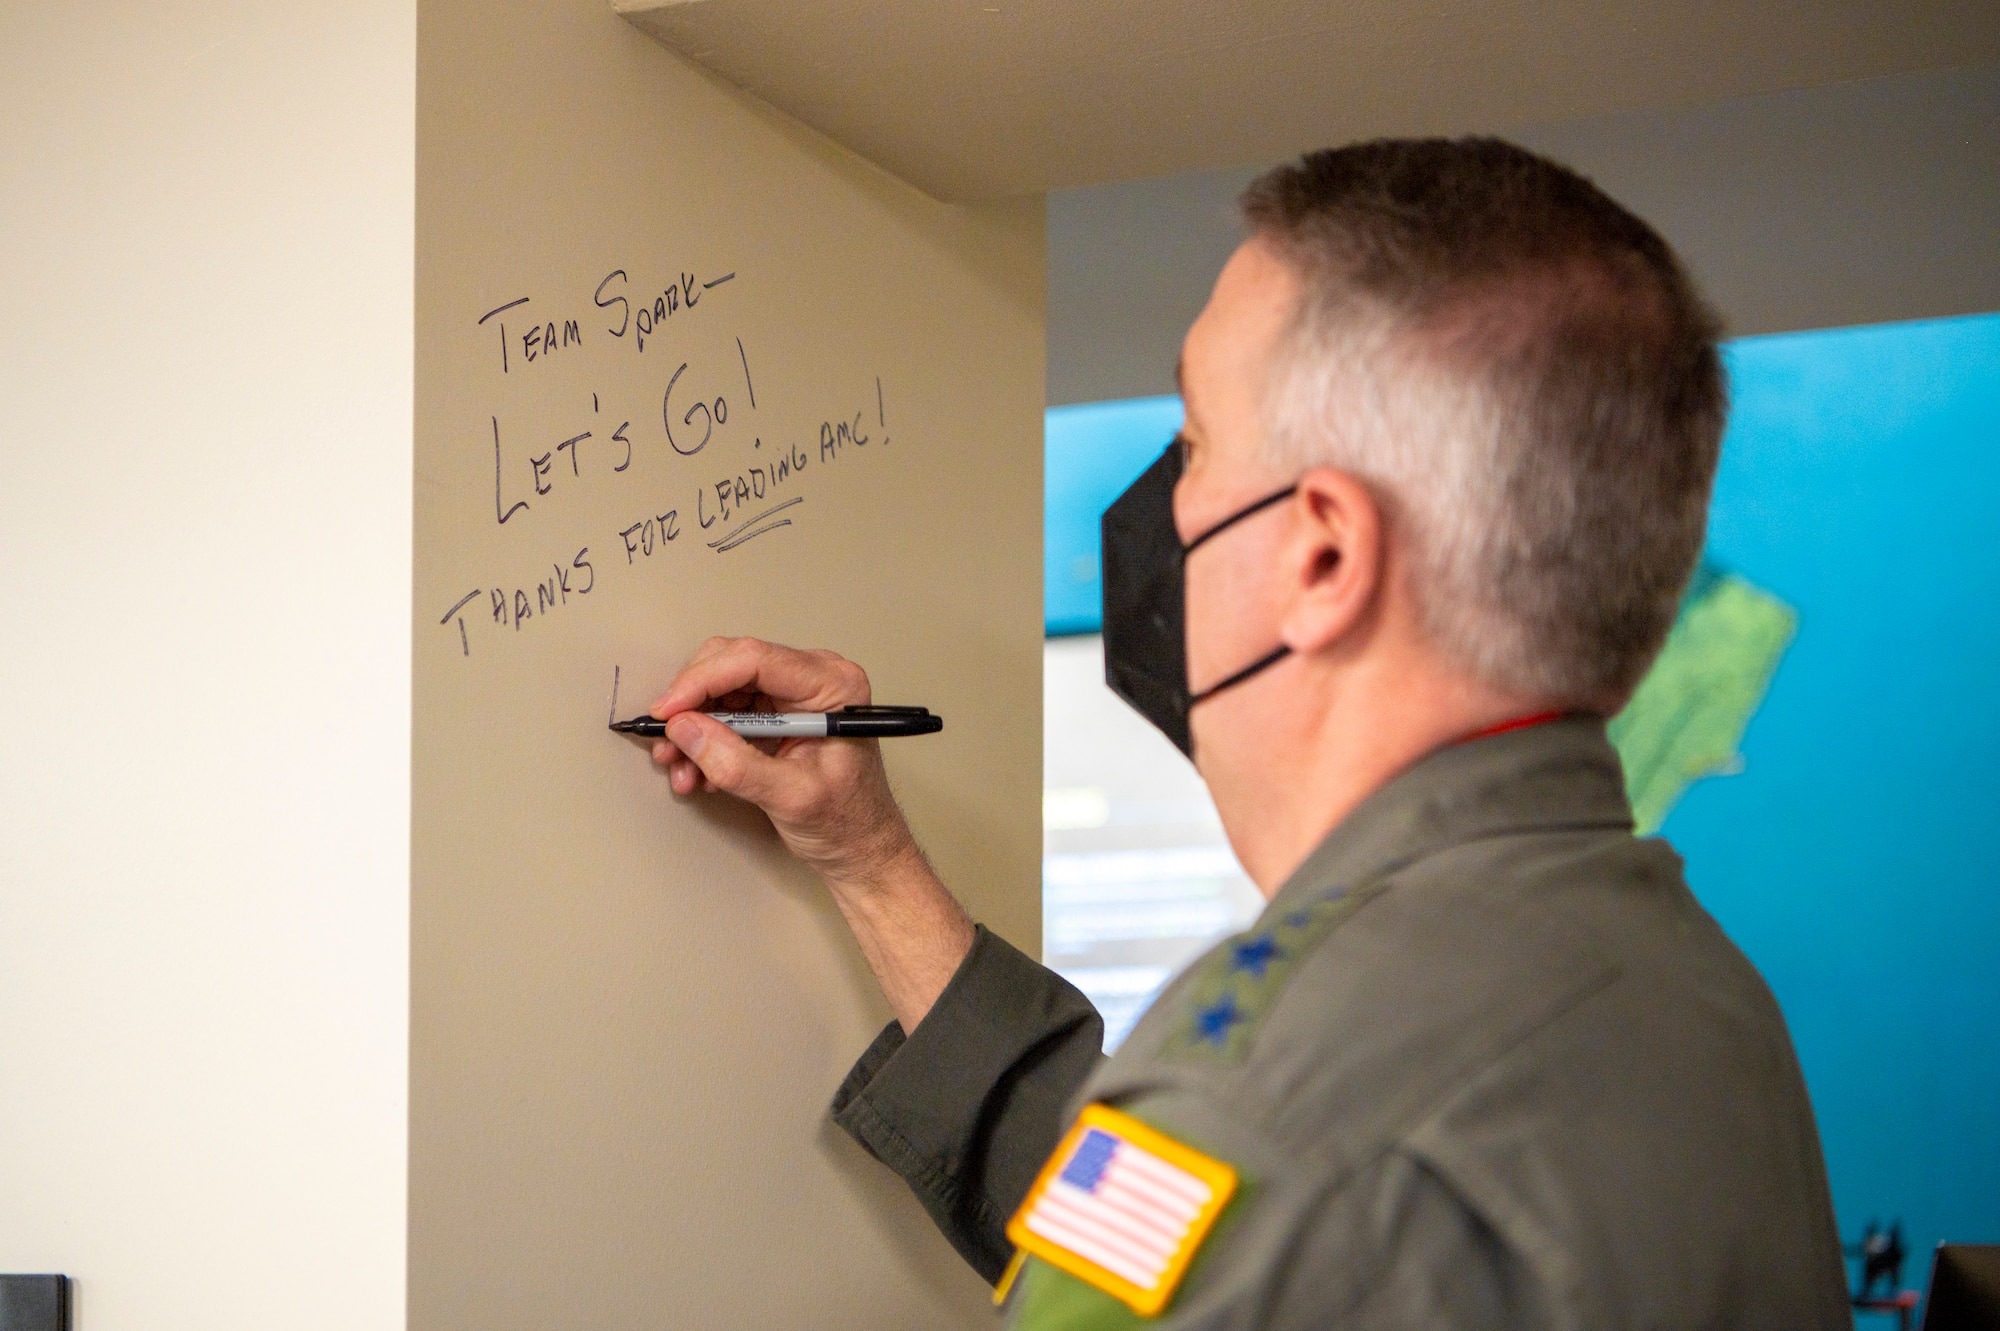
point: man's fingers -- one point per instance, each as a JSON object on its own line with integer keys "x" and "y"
{"x": 722, "y": 667}
{"x": 729, "y": 762}
{"x": 807, "y": 681}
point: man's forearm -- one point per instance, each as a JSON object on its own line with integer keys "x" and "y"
{"x": 967, "y": 1107}
{"x": 911, "y": 929}
{"x": 829, "y": 800}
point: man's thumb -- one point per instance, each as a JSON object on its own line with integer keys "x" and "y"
{"x": 723, "y": 756}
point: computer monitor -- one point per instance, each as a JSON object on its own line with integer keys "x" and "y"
{"x": 1965, "y": 1288}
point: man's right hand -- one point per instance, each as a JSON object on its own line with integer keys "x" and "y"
{"x": 830, "y": 802}
{"x": 828, "y": 799}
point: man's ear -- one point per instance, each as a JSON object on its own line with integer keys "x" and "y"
{"x": 1334, "y": 560}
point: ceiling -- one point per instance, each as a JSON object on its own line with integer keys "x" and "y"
{"x": 980, "y": 99}
{"x": 1853, "y": 203}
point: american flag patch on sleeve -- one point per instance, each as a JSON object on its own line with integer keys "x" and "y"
{"x": 1122, "y": 1207}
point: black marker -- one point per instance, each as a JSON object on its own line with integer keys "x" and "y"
{"x": 847, "y": 723}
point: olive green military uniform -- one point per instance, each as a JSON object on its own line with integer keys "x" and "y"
{"x": 1483, "y": 1061}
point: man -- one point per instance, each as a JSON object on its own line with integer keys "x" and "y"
{"x": 1452, "y": 420}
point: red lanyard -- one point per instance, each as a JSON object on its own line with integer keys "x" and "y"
{"x": 1518, "y": 723}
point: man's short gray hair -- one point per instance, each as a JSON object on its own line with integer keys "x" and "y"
{"x": 1527, "y": 379}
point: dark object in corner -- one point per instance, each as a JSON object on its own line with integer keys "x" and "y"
{"x": 1881, "y": 1252}
{"x": 1965, "y": 1288}
{"x": 34, "y": 1303}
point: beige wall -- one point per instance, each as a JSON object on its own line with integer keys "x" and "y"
{"x": 628, "y": 1011}
{"x": 204, "y": 513}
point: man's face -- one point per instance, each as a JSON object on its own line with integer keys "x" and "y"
{"x": 1233, "y": 604}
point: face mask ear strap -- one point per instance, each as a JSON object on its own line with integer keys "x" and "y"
{"x": 1237, "y": 517}
{"x": 1261, "y": 663}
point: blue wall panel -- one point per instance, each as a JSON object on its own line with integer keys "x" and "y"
{"x": 1093, "y": 452}
{"x": 1854, "y": 858}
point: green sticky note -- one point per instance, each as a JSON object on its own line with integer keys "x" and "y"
{"x": 1689, "y": 713}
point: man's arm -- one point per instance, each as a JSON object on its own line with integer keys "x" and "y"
{"x": 968, "y": 1107}
{"x": 830, "y": 801}
{"x": 967, "y": 1092}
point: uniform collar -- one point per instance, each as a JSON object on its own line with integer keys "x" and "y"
{"x": 1560, "y": 775}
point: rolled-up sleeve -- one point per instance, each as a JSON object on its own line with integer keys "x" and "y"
{"x": 968, "y": 1108}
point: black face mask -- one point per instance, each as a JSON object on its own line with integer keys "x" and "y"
{"x": 1145, "y": 600}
